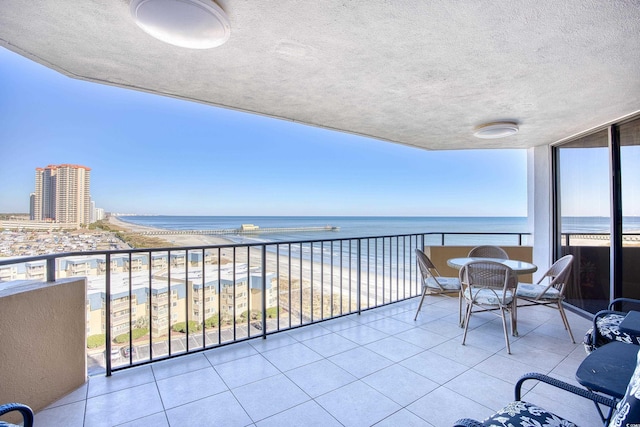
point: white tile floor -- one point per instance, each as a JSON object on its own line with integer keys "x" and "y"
{"x": 380, "y": 368}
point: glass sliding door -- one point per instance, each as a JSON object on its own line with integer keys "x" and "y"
{"x": 597, "y": 197}
{"x": 630, "y": 183}
{"x": 583, "y": 218}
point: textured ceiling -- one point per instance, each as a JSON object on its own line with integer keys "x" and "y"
{"x": 421, "y": 73}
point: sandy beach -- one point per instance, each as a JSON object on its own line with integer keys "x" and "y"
{"x": 334, "y": 280}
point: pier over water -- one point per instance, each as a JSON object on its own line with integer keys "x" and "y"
{"x": 244, "y": 229}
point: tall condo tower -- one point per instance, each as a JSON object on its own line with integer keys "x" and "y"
{"x": 62, "y": 194}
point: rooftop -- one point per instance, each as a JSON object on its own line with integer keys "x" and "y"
{"x": 378, "y": 368}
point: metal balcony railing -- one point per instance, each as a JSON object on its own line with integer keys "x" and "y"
{"x": 242, "y": 290}
{"x": 569, "y": 239}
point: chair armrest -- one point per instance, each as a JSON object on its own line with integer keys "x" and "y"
{"x": 26, "y": 412}
{"x": 564, "y": 386}
{"x": 467, "y": 422}
{"x": 617, "y": 300}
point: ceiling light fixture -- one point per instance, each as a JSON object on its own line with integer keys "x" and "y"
{"x": 496, "y": 130}
{"x": 194, "y": 24}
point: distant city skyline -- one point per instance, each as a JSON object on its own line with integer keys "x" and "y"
{"x": 158, "y": 155}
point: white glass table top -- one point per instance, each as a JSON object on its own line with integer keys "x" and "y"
{"x": 520, "y": 267}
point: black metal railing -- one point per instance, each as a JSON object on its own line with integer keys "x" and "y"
{"x": 582, "y": 239}
{"x": 150, "y": 304}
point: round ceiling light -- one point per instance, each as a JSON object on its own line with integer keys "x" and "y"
{"x": 496, "y": 130}
{"x": 194, "y": 24}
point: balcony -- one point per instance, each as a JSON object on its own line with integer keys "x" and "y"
{"x": 376, "y": 368}
{"x": 356, "y": 359}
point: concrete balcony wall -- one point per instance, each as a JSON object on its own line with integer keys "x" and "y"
{"x": 440, "y": 254}
{"x": 42, "y": 340}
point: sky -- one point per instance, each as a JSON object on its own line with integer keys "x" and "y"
{"x": 157, "y": 155}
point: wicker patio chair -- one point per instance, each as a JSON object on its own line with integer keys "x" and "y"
{"x": 488, "y": 251}
{"x": 25, "y": 411}
{"x": 606, "y": 325}
{"x": 434, "y": 283}
{"x": 551, "y": 292}
{"x": 520, "y": 413}
{"x": 489, "y": 286}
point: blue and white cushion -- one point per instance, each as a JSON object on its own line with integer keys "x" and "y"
{"x": 488, "y": 296}
{"x": 525, "y": 414}
{"x": 608, "y": 330}
{"x": 532, "y": 290}
{"x": 448, "y": 283}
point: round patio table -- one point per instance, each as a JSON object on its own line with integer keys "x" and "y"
{"x": 520, "y": 267}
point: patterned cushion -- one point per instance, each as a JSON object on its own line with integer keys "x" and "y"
{"x": 488, "y": 296}
{"x": 449, "y": 283}
{"x": 532, "y": 290}
{"x": 525, "y": 414}
{"x": 608, "y": 330}
{"x": 627, "y": 411}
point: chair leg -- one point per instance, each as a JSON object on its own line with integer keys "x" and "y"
{"x": 514, "y": 317}
{"x": 466, "y": 321}
{"x": 504, "y": 327}
{"x": 460, "y": 316}
{"x": 424, "y": 293}
{"x": 565, "y": 321}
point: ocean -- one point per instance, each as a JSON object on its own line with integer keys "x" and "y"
{"x": 369, "y": 226}
{"x": 348, "y": 226}
{"x": 373, "y": 226}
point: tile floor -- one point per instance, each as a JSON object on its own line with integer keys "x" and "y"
{"x": 380, "y": 368}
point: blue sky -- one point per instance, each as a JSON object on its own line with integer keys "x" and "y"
{"x": 156, "y": 155}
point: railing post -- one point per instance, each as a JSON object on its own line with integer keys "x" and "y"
{"x": 168, "y": 301}
{"x": 187, "y": 298}
{"x": 359, "y": 276}
{"x": 264, "y": 291}
{"x": 107, "y": 313}
{"x": 51, "y": 270}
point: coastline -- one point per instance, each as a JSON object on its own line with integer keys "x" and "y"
{"x": 178, "y": 239}
{"x": 300, "y": 271}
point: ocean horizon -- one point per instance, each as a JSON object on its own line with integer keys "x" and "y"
{"x": 370, "y": 226}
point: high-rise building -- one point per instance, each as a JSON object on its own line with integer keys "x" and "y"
{"x": 98, "y": 214}
{"x": 32, "y": 206}
{"x": 62, "y": 194}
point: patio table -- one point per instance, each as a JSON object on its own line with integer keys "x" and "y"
{"x": 520, "y": 267}
{"x": 608, "y": 369}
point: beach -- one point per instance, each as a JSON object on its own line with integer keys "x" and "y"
{"x": 320, "y": 279}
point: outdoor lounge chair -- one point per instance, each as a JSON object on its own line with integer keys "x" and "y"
{"x": 27, "y": 413}
{"x": 521, "y": 413}
{"x": 434, "y": 283}
{"x": 606, "y": 327}
{"x": 489, "y": 286}
{"x": 550, "y": 293}
{"x": 488, "y": 251}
